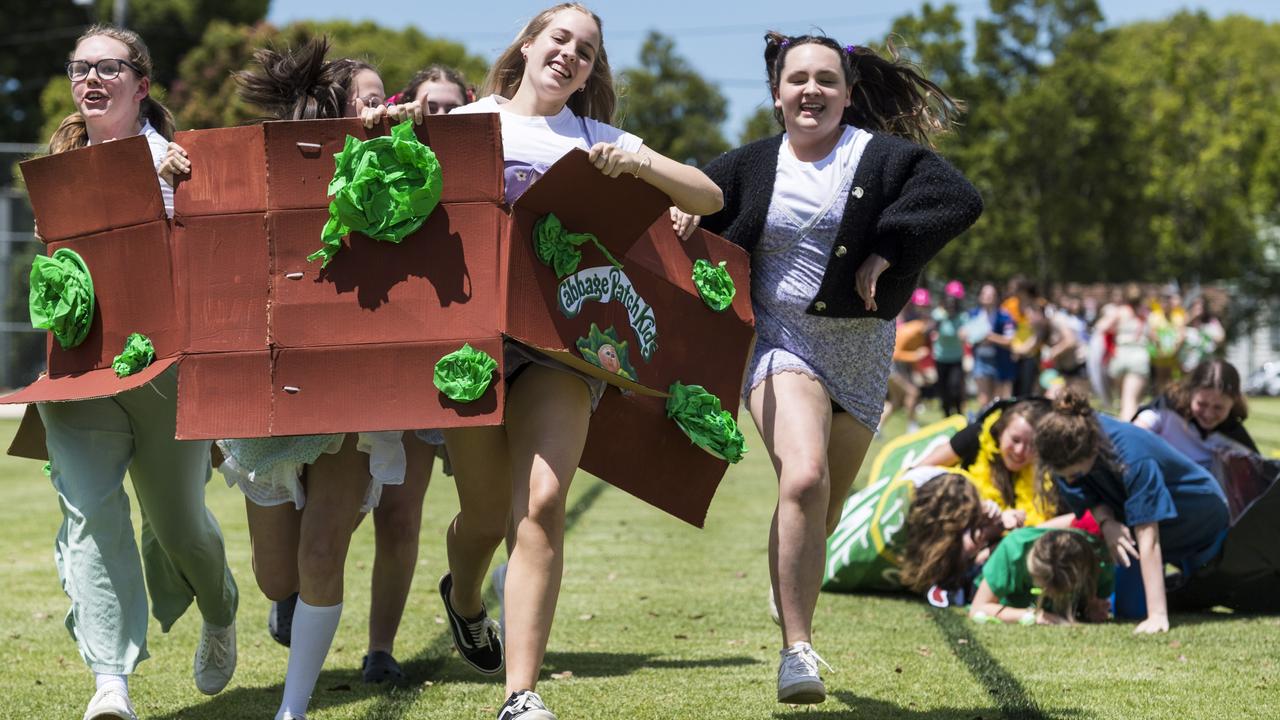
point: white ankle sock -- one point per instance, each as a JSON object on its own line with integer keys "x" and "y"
{"x": 313, "y": 631}
{"x": 120, "y": 682}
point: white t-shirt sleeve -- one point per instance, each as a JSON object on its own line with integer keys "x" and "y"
{"x": 1151, "y": 420}
{"x": 159, "y": 146}
{"x": 603, "y": 132}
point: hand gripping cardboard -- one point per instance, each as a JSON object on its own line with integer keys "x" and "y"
{"x": 270, "y": 344}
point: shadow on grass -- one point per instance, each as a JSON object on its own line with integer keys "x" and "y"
{"x": 594, "y": 664}
{"x": 857, "y": 707}
{"x": 1011, "y": 699}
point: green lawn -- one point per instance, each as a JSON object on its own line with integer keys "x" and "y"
{"x": 657, "y": 620}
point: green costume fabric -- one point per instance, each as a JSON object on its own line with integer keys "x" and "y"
{"x": 699, "y": 415}
{"x": 864, "y": 551}
{"x": 464, "y": 375}
{"x": 714, "y": 284}
{"x": 61, "y": 298}
{"x": 1007, "y": 575}
{"x": 138, "y": 353}
{"x": 383, "y": 187}
{"x": 558, "y": 248}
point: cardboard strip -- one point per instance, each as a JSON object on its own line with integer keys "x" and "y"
{"x": 86, "y": 385}
{"x": 221, "y": 182}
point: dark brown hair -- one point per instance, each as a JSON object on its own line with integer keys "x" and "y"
{"x": 436, "y": 73}
{"x": 1001, "y": 478}
{"x": 72, "y": 133}
{"x": 1065, "y": 565}
{"x": 299, "y": 83}
{"x": 944, "y": 510}
{"x": 596, "y": 101}
{"x": 1213, "y": 374}
{"x": 1070, "y": 432}
{"x": 889, "y": 94}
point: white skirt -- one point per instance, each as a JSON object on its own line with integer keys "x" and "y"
{"x": 269, "y": 470}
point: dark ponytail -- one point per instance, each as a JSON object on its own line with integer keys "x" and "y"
{"x": 889, "y": 94}
{"x": 298, "y": 83}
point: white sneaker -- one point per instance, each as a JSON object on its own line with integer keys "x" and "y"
{"x": 798, "y": 680}
{"x": 215, "y": 660}
{"x": 290, "y": 716}
{"x": 525, "y": 705}
{"x": 110, "y": 702}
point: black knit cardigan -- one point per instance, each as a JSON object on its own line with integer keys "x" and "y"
{"x": 905, "y": 204}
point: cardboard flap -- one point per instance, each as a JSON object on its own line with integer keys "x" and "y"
{"x": 660, "y": 251}
{"x": 469, "y": 148}
{"x": 96, "y": 188}
{"x": 633, "y": 446}
{"x": 29, "y": 440}
{"x": 133, "y": 286}
{"x": 615, "y": 210}
{"x": 85, "y": 385}
{"x": 300, "y": 158}
{"x": 228, "y": 172}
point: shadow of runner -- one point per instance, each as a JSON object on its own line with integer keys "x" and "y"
{"x": 598, "y": 664}
{"x": 1010, "y": 697}
{"x": 857, "y": 707}
{"x": 432, "y": 662}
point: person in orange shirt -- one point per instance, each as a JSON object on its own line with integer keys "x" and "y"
{"x": 910, "y": 346}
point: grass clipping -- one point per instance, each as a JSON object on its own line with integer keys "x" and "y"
{"x": 699, "y": 415}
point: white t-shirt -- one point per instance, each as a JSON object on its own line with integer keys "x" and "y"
{"x": 159, "y": 146}
{"x": 531, "y": 144}
{"x": 805, "y": 188}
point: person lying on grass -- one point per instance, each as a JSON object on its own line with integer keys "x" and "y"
{"x": 1044, "y": 576}
{"x": 922, "y": 531}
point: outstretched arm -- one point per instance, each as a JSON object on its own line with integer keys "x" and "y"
{"x": 687, "y": 186}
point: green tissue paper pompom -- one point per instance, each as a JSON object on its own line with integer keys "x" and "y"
{"x": 61, "y": 297}
{"x": 138, "y": 353}
{"x": 383, "y": 187}
{"x": 557, "y": 248}
{"x": 464, "y": 375}
{"x": 714, "y": 284}
{"x": 699, "y": 415}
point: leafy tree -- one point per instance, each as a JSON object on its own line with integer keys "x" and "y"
{"x": 33, "y": 48}
{"x": 205, "y": 92}
{"x": 760, "y": 125}
{"x": 675, "y": 110}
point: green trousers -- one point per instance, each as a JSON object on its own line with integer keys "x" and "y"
{"x": 91, "y": 445}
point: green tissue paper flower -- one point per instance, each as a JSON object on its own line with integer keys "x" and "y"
{"x": 464, "y": 375}
{"x": 138, "y": 353}
{"x": 61, "y": 298}
{"x": 383, "y": 187}
{"x": 699, "y": 415}
{"x": 714, "y": 284}
{"x": 558, "y": 248}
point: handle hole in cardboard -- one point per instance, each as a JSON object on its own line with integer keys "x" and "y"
{"x": 292, "y": 390}
{"x": 309, "y": 149}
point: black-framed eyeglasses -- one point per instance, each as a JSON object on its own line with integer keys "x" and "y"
{"x": 108, "y": 68}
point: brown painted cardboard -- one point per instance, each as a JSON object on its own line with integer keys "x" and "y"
{"x": 271, "y": 344}
{"x": 28, "y": 441}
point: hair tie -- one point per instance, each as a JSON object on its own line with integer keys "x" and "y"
{"x": 850, "y": 49}
{"x": 784, "y": 43}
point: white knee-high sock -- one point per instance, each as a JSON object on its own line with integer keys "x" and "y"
{"x": 313, "y": 631}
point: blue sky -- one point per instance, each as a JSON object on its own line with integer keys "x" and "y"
{"x": 721, "y": 40}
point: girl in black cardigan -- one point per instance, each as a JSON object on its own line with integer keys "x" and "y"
{"x": 840, "y": 217}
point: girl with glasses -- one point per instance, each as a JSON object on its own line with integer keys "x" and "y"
{"x": 92, "y": 443}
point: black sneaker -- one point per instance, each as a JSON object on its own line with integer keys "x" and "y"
{"x": 280, "y": 620}
{"x": 379, "y": 667}
{"x": 525, "y": 705}
{"x": 478, "y": 639}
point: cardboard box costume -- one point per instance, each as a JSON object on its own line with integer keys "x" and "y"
{"x": 270, "y": 344}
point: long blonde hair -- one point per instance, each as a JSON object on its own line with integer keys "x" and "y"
{"x": 72, "y": 133}
{"x": 596, "y": 101}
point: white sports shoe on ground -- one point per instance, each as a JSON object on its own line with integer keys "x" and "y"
{"x": 110, "y": 702}
{"x": 215, "y": 660}
{"x": 798, "y": 680}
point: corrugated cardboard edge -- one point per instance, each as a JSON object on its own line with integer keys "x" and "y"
{"x": 87, "y": 385}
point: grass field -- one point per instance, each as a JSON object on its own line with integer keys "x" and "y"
{"x": 657, "y": 620}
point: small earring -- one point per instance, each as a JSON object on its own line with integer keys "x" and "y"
{"x": 582, "y": 89}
